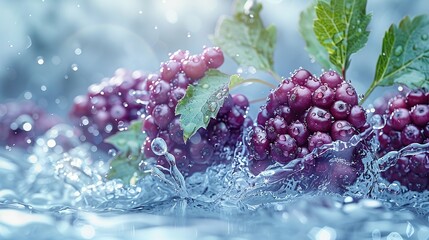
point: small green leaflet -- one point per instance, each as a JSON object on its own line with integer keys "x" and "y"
{"x": 341, "y": 27}
{"x": 203, "y": 101}
{"x": 245, "y": 39}
{"x": 405, "y": 55}
{"x": 313, "y": 46}
{"x": 125, "y": 165}
{"x": 129, "y": 140}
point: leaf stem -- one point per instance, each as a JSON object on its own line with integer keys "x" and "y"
{"x": 256, "y": 80}
{"x": 368, "y": 92}
{"x": 343, "y": 71}
{"x": 275, "y": 75}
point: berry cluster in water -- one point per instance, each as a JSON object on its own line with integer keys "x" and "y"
{"x": 110, "y": 105}
{"x": 407, "y": 122}
{"x": 202, "y": 149}
{"x": 303, "y": 113}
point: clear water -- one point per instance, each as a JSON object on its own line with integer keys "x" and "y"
{"x": 58, "y": 191}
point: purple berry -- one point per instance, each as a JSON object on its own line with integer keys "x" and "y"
{"x": 357, "y": 116}
{"x": 300, "y": 99}
{"x": 323, "y": 97}
{"x": 194, "y": 67}
{"x": 299, "y": 132}
{"x": 342, "y": 130}
{"x": 284, "y": 149}
{"x": 318, "y": 139}
{"x": 420, "y": 114}
{"x": 340, "y": 110}
{"x": 347, "y": 94}
{"x": 416, "y": 96}
{"x": 331, "y": 78}
{"x": 400, "y": 118}
{"x": 318, "y": 120}
{"x": 411, "y": 134}
{"x": 300, "y": 76}
{"x": 213, "y": 56}
{"x": 162, "y": 115}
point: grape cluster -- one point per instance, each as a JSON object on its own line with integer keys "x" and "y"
{"x": 407, "y": 122}
{"x": 110, "y": 105}
{"x": 202, "y": 149}
{"x": 21, "y": 122}
{"x": 303, "y": 113}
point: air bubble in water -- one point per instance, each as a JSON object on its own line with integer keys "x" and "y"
{"x": 74, "y": 67}
{"x": 159, "y": 146}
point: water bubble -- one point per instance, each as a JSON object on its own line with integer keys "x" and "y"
{"x": 74, "y": 67}
{"x": 28, "y": 95}
{"x": 112, "y": 152}
{"x": 399, "y": 50}
{"x": 424, "y": 37}
{"x": 78, "y": 51}
{"x": 40, "y": 60}
{"x": 205, "y": 86}
{"x": 140, "y": 12}
{"x": 43, "y": 88}
{"x": 188, "y": 35}
{"x": 159, "y": 146}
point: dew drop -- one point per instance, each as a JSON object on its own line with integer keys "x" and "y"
{"x": 212, "y": 106}
{"x": 159, "y": 146}
{"x": 399, "y": 50}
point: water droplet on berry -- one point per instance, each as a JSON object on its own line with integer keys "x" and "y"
{"x": 159, "y": 146}
{"x": 350, "y": 91}
{"x": 399, "y": 50}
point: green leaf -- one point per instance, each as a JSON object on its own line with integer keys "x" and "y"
{"x": 244, "y": 37}
{"x": 235, "y": 80}
{"x": 341, "y": 27}
{"x": 129, "y": 140}
{"x": 313, "y": 46}
{"x": 202, "y": 102}
{"x": 125, "y": 166}
{"x": 405, "y": 54}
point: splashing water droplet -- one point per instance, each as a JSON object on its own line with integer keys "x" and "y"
{"x": 410, "y": 230}
{"x": 159, "y": 146}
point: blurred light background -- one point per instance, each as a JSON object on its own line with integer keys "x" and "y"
{"x": 51, "y": 51}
